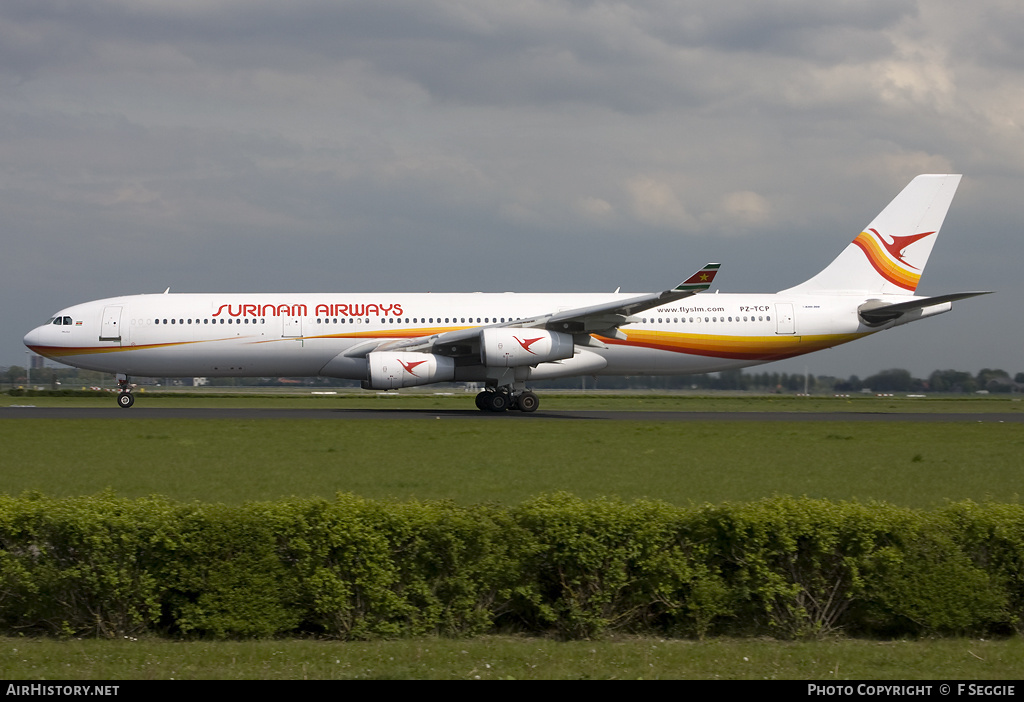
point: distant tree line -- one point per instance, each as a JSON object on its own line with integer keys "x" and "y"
{"x": 992, "y": 380}
{"x": 892, "y": 380}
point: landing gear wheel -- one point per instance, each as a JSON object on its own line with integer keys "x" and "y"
{"x": 482, "y": 400}
{"x": 125, "y": 399}
{"x": 528, "y": 402}
{"x": 497, "y": 402}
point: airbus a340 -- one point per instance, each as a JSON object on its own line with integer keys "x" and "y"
{"x": 505, "y": 341}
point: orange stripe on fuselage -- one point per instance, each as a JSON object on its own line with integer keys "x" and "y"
{"x": 63, "y": 351}
{"x": 746, "y": 348}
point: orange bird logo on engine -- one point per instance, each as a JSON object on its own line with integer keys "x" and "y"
{"x": 410, "y": 365}
{"x": 527, "y": 343}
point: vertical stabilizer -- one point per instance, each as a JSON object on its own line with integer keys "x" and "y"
{"x": 889, "y": 256}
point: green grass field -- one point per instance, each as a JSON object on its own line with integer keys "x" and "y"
{"x": 470, "y": 461}
{"x": 507, "y": 658}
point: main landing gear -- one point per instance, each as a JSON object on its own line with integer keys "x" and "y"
{"x": 124, "y": 398}
{"x": 503, "y": 399}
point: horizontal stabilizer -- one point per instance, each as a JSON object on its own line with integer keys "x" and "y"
{"x": 876, "y": 312}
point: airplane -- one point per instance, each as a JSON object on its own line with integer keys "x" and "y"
{"x": 507, "y": 340}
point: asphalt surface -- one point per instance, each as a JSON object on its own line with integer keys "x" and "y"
{"x": 28, "y": 412}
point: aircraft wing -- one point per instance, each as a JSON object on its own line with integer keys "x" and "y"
{"x": 603, "y": 319}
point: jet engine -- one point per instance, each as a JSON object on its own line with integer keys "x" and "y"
{"x": 403, "y": 369}
{"x": 503, "y": 347}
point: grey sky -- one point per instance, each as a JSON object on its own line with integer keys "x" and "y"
{"x": 316, "y": 145}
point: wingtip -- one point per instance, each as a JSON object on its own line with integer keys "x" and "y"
{"x": 702, "y": 279}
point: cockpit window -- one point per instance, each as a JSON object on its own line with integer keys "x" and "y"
{"x": 67, "y": 321}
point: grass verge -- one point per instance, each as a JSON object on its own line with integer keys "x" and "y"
{"x": 505, "y": 658}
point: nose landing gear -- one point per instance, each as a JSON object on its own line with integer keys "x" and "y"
{"x": 124, "y": 398}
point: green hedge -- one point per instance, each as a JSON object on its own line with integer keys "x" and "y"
{"x": 352, "y": 568}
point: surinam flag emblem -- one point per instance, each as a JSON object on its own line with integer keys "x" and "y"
{"x": 701, "y": 280}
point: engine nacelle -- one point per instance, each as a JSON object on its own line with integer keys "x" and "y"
{"x": 583, "y": 363}
{"x": 404, "y": 369}
{"x": 507, "y": 348}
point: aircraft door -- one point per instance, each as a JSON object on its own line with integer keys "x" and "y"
{"x": 110, "y": 328}
{"x": 784, "y": 318}
{"x": 292, "y": 326}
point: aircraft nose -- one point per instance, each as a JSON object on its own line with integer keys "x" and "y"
{"x": 32, "y": 339}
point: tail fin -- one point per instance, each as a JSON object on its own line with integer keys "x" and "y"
{"x": 889, "y": 256}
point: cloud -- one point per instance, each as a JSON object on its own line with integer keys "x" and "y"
{"x": 655, "y": 202}
{"x": 258, "y": 145}
{"x": 745, "y": 209}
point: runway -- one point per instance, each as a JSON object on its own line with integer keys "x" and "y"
{"x": 115, "y": 413}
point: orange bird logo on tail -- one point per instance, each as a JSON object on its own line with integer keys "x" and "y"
{"x": 892, "y": 267}
{"x": 899, "y": 245}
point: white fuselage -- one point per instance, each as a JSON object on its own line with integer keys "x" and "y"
{"x": 309, "y": 334}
